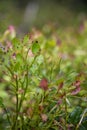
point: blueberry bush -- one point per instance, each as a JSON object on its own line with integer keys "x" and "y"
{"x": 43, "y": 79}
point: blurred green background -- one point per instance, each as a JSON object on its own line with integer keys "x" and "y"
{"x": 71, "y": 44}
{"x": 25, "y": 14}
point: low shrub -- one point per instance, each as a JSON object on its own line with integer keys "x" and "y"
{"x": 44, "y": 77}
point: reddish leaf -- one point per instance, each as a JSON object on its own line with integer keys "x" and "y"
{"x": 44, "y": 84}
{"x": 60, "y": 86}
{"x": 29, "y": 112}
{"x": 14, "y": 56}
{"x": 44, "y": 117}
{"x": 59, "y": 102}
{"x": 75, "y": 91}
{"x": 77, "y": 83}
{"x": 41, "y": 108}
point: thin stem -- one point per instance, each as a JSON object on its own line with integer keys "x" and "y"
{"x": 17, "y": 102}
{"x": 27, "y": 52}
{"x": 27, "y": 82}
{"x": 7, "y": 114}
{"x": 65, "y": 112}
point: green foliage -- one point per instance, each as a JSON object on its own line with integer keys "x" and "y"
{"x": 35, "y": 48}
{"x": 83, "y": 126}
{"x": 45, "y": 81}
{"x": 1, "y": 102}
{"x": 75, "y": 116}
{"x": 26, "y": 39}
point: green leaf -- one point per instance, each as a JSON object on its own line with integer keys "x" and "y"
{"x": 17, "y": 67}
{"x": 1, "y": 102}
{"x": 16, "y": 42}
{"x": 6, "y": 78}
{"x": 35, "y": 48}
{"x": 19, "y": 58}
{"x": 34, "y": 68}
{"x": 40, "y": 59}
{"x": 26, "y": 39}
{"x": 51, "y": 43}
{"x": 75, "y": 115}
